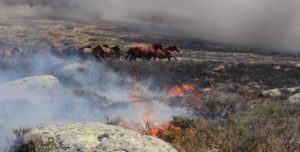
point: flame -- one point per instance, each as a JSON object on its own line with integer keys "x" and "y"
{"x": 184, "y": 89}
{"x": 187, "y": 90}
{"x": 152, "y": 124}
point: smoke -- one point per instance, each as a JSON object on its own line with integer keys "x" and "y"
{"x": 87, "y": 92}
{"x": 270, "y": 23}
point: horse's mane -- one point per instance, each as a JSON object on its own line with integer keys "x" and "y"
{"x": 158, "y": 46}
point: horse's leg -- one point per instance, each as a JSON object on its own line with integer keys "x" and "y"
{"x": 154, "y": 58}
{"x": 131, "y": 58}
{"x": 127, "y": 56}
{"x": 175, "y": 58}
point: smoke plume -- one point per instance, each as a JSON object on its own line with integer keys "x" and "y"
{"x": 269, "y": 23}
{"x": 86, "y": 92}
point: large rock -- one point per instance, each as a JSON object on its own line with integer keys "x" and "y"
{"x": 33, "y": 82}
{"x": 295, "y": 98}
{"x": 293, "y": 90}
{"x": 90, "y": 137}
{"x": 272, "y": 93}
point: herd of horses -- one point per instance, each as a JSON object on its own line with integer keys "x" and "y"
{"x": 139, "y": 51}
{"x": 105, "y": 53}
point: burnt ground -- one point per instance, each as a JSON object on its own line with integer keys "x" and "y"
{"x": 205, "y": 69}
{"x": 203, "y": 74}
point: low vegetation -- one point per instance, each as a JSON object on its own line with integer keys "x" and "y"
{"x": 268, "y": 128}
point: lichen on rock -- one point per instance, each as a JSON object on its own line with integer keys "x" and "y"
{"x": 89, "y": 137}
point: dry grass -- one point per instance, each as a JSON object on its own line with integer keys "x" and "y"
{"x": 270, "y": 128}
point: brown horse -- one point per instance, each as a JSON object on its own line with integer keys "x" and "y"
{"x": 103, "y": 52}
{"x": 117, "y": 52}
{"x": 143, "y": 51}
{"x": 163, "y": 54}
{"x": 85, "y": 52}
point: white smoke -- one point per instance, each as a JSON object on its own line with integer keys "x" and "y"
{"x": 268, "y": 23}
{"x": 89, "y": 93}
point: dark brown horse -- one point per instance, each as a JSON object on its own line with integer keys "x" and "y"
{"x": 143, "y": 51}
{"x": 117, "y": 52}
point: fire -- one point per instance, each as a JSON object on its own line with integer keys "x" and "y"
{"x": 187, "y": 90}
{"x": 184, "y": 89}
{"x": 152, "y": 124}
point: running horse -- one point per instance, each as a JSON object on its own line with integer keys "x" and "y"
{"x": 143, "y": 51}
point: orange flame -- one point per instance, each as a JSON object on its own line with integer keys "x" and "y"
{"x": 187, "y": 89}
{"x": 152, "y": 124}
{"x": 184, "y": 89}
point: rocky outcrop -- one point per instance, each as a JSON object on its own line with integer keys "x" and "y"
{"x": 33, "y": 82}
{"x": 90, "y": 137}
{"x": 272, "y": 93}
{"x": 295, "y": 98}
{"x": 26, "y": 89}
{"x": 278, "y": 92}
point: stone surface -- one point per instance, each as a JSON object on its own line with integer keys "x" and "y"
{"x": 272, "y": 93}
{"x": 91, "y": 137}
{"x": 295, "y": 98}
{"x": 33, "y": 82}
{"x": 219, "y": 68}
{"x": 293, "y": 90}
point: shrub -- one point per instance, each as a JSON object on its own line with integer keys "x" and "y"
{"x": 270, "y": 128}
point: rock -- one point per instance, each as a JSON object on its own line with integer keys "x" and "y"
{"x": 295, "y": 98}
{"x": 298, "y": 65}
{"x": 272, "y": 93}
{"x": 293, "y": 90}
{"x": 277, "y": 67}
{"x": 33, "y": 82}
{"x": 219, "y": 68}
{"x": 90, "y": 137}
{"x": 209, "y": 73}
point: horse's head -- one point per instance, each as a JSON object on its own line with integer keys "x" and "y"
{"x": 98, "y": 47}
{"x": 174, "y": 48}
{"x": 116, "y": 49}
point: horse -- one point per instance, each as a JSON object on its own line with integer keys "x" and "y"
{"x": 163, "y": 54}
{"x": 117, "y": 52}
{"x": 143, "y": 51}
{"x": 85, "y": 52}
{"x": 104, "y": 52}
